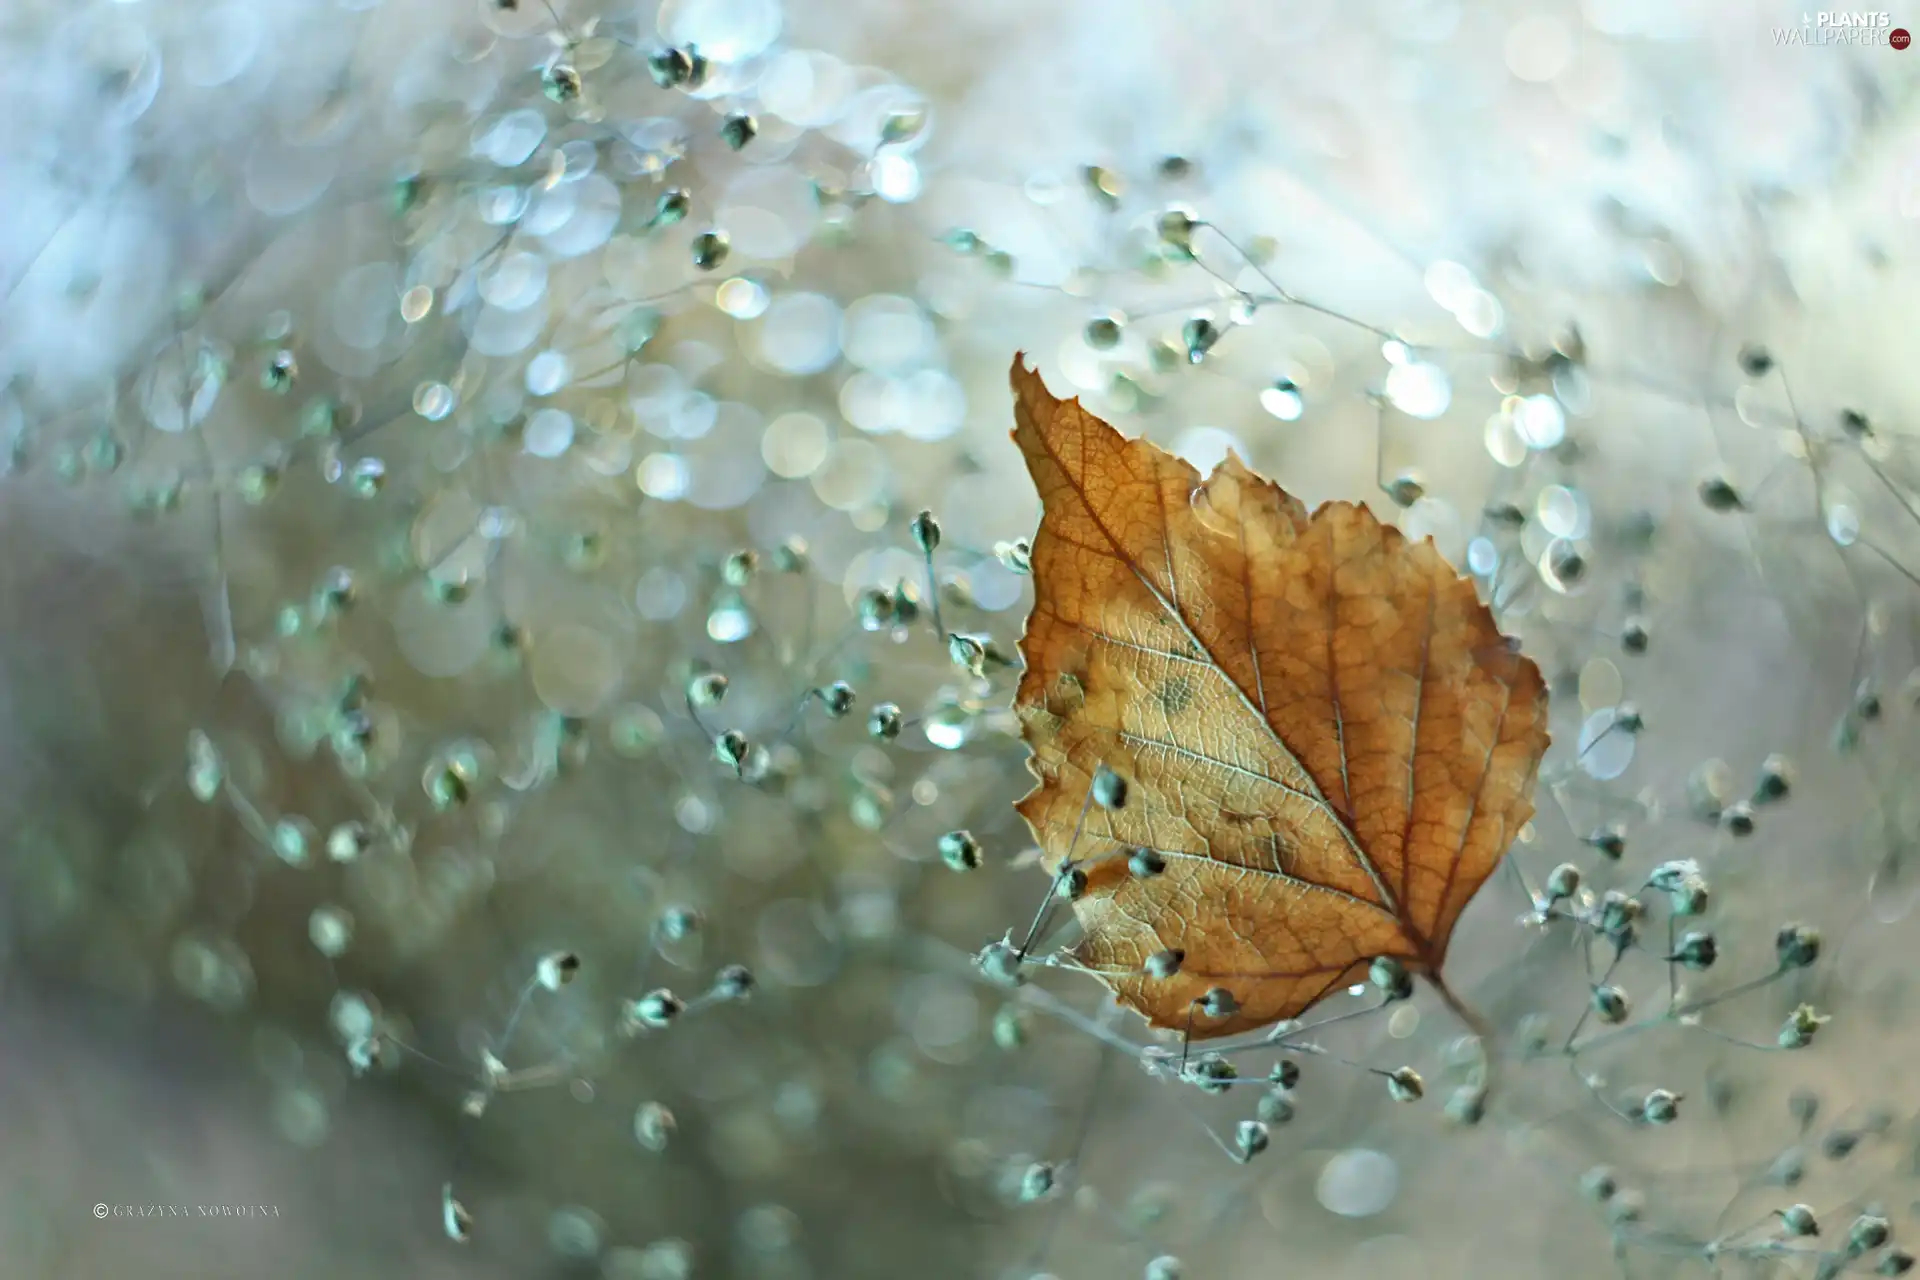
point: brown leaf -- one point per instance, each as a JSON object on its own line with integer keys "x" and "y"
{"x": 1325, "y": 735}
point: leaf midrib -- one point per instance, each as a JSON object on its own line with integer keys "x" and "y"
{"x": 1388, "y": 904}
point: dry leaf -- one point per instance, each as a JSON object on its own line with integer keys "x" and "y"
{"x": 1325, "y": 735}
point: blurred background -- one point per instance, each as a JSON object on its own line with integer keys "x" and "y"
{"x": 408, "y": 408}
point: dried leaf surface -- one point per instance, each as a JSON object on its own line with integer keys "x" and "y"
{"x": 1325, "y": 735}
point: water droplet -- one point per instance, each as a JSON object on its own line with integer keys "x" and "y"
{"x": 548, "y": 434}
{"x": 433, "y": 400}
{"x": 1283, "y": 400}
{"x": 1604, "y": 751}
{"x": 1358, "y": 1183}
{"x": 1541, "y": 421}
{"x": 1419, "y": 389}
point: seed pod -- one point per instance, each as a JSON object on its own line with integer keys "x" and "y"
{"x": 1165, "y": 964}
{"x": 926, "y": 532}
{"x": 959, "y": 850}
{"x": 1109, "y": 789}
{"x": 1390, "y": 978}
{"x": 1405, "y": 1085}
{"x": 738, "y": 130}
{"x": 1662, "y": 1106}
{"x": 883, "y": 722}
{"x": 1797, "y": 946}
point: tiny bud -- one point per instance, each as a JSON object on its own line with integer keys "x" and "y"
{"x": 1212, "y": 1074}
{"x": 1001, "y": 963}
{"x": 967, "y": 653}
{"x": 1755, "y": 360}
{"x": 1668, "y": 876}
{"x": 906, "y": 603}
{"x": 926, "y": 532}
{"x": 1798, "y": 1220}
{"x": 1775, "y": 781}
{"x": 556, "y": 969}
{"x": 1737, "y": 819}
{"x": 1250, "y": 1138}
{"x": 1563, "y": 882}
{"x": 734, "y": 982}
{"x": 1285, "y": 1073}
{"x": 672, "y": 207}
{"x": 454, "y": 1218}
{"x": 1468, "y": 1105}
{"x": 1718, "y": 494}
{"x": 737, "y": 569}
{"x": 1662, "y": 1106}
{"x": 1619, "y": 913}
{"x": 1690, "y": 897}
{"x": 1390, "y": 978}
{"x": 1219, "y": 1003}
{"x": 1405, "y": 491}
{"x": 337, "y": 591}
{"x": 1505, "y": 514}
{"x": 1016, "y": 555}
{"x": 1696, "y": 951}
{"x": 679, "y": 923}
{"x": 1405, "y": 1085}
{"x": 653, "y": 1126}
{"x": 1109, "y": 789}
{"x": 670, "y": 68}
{"x": 1198, "y": 336}
{"x": 1165, "y": 964}
{"x": 280, "y": 372}
{"x": 738, "y": 130}
{"x": 1071, "y": 883}
{"x": 1797, "y": 946}
{"x": 348, "y": 841}
{"x": 656, "y": 1009}
{"x": 1633, "y": 636}
{"x": 874, "y": 608}
{"x": 560, "y": 82}
{"x": 1102, "y": 333}
{"x": 1894, "y": 1262}
{"x": 730, "y": 748}
{"x": 1599, "y": 1184}
{"x": 1869, "y": 1231}
{"x": 1610, "y": 1003}
{"x": 1145, "y": 863}
{"x": 1866, "y": 701}
{"x": 1275, "y": 1107}
{"x": 1611, "y": 841}
{"x": 791, "y": 556}
{"x": 883, "y": 722}
{"x": 1165, "y": 1267}
{"x": 837, "y": 698}
{"x": 710, "y": 249}
{"x": 959, "y": 850}
{"x": 1176, "y": 228}
{"x": 708, "y": 689}
{"x": 1800, "y": 1027}
{"x": 1037, "y": 1182}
